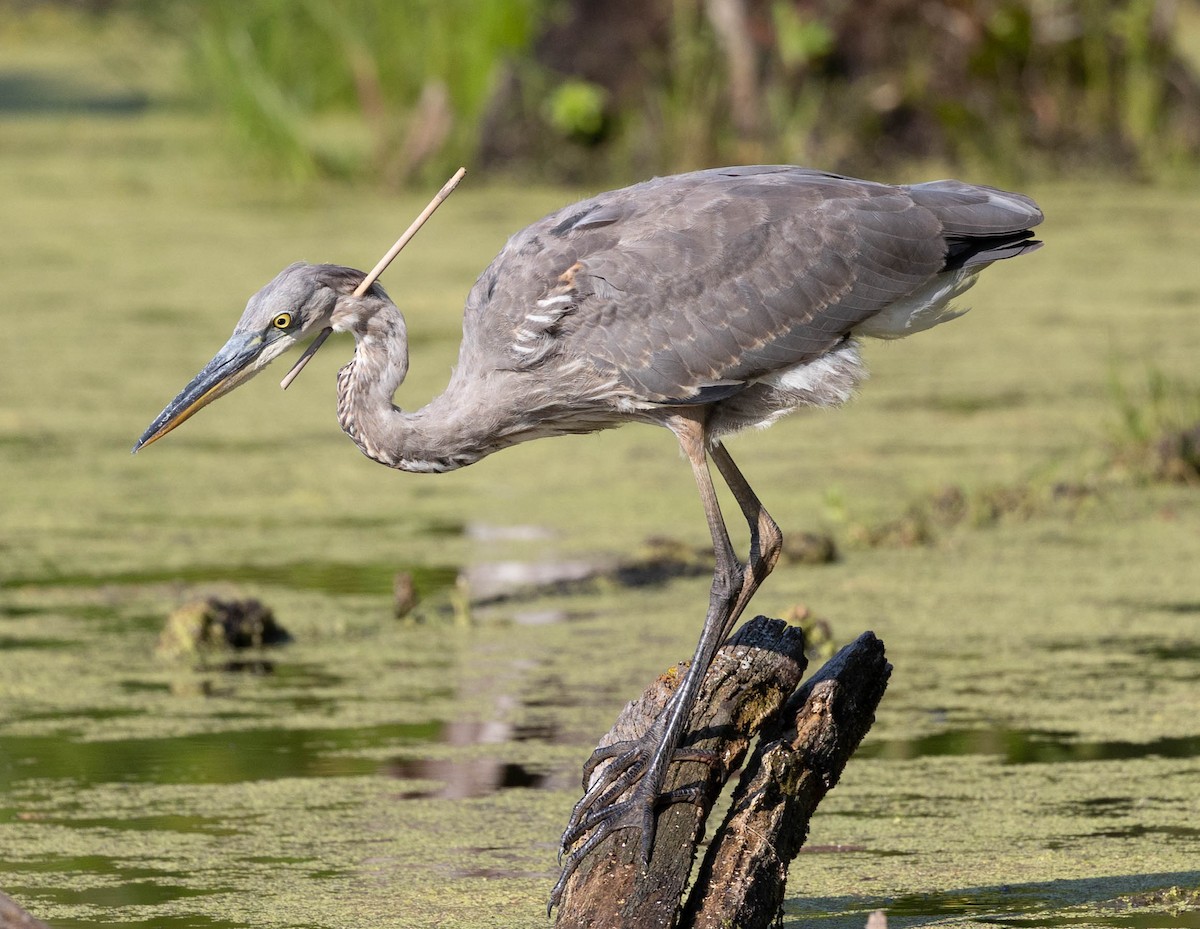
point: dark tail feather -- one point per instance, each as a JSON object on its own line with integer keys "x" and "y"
{"x": 965, "y": 251}
{"x": 981, "y": 224}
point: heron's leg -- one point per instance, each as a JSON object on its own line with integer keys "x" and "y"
{"x": 725, "y": 603}
{"x": 766, "y": 543}
{"x": 766, "y": 540}
{"x": 641, "y": 766}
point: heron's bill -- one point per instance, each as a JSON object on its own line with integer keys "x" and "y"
{"x": 234, "y": 364}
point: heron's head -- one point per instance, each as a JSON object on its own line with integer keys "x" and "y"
{"x": 299, "y": 302}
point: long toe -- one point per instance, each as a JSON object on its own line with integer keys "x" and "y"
{"x": 627, "y": 764}
{"x": 638, "y": 812}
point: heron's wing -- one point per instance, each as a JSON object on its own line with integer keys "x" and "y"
{"x": 687, "y": 285}
{"x": 742, "y": 275}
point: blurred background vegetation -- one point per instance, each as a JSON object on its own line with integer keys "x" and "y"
{"x": 593, "y": 91}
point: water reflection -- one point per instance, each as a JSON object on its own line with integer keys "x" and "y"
{"x": 465, "y": 777}
{"x": 330, "y": 577}
{"x": 1185, "y": 919}
{"x": 11, "y": 643}
{"x": 205, "y": 758}
{"x": 489, "y": 582}
{"x": 476, "y": 774}
{"x": 1115, "y": 900}
{"x": 1033, "y": 746}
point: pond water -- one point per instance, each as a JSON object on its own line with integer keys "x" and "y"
{"x": 433, "y": 759}
{"x": 1034, "y": 762}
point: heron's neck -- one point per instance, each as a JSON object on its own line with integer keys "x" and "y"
{"x": 436, "y": 437}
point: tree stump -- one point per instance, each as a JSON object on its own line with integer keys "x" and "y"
{"x": 800, "y": 756}
{"x": 805, "y": 735}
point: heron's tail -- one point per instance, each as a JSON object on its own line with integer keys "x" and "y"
{"x": 981, "y": 224}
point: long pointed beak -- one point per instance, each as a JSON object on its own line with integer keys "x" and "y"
{"x": 232, "y": 365}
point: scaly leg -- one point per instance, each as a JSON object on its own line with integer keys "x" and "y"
{"x": 766, "y": 540}
{"x": 640, "y": 766}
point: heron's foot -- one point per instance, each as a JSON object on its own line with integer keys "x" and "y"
{"x": 626, "y": 794}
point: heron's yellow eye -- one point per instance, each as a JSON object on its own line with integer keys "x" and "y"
{"x": 282, "y": 321}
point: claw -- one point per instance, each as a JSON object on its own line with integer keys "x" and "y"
{"x": 601, "y": 812}
{"x": 604, "y": 753}
{"x": 602, "y": 795}
{"x": 636, "y": 812}
{"x": 573, "y": 861}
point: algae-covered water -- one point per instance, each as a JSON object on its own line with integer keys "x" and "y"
{"x": 1034, "y": 762}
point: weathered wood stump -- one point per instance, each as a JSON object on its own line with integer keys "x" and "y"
{"x": 805, "y": 737}
{"x": 800, "y": 756}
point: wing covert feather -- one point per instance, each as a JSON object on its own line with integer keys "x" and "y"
{"x": 722, "y": 276}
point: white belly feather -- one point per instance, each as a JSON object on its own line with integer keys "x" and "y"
{"x": 924, "y": 309}
{"x": 831, "y": 379}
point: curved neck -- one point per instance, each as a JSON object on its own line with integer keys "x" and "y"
{"x": 434, "y": 438}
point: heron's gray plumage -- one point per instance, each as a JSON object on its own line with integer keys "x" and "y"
{"x": 696, "y": 288}
{"x": 739, "y": 290}
{"x": 704, "y": 302}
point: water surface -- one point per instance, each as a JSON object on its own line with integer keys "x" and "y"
{"x": 1033, "y": 763}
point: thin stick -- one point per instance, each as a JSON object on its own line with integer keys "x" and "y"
{"x": 447, "y": 189}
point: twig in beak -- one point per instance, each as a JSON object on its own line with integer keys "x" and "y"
{"x": 447, "y": 189}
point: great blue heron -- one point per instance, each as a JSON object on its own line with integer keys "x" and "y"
{"x": 704, "y": 302}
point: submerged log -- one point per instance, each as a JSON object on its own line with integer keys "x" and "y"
{"x": 804, "y": 744}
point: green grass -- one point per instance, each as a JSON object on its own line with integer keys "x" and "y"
{"x": 133, "y": 243}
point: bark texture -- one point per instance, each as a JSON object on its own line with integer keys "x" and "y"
{"x": 799, "y": 758}
{"x": 806, "y": 734}
{"x": 752, "y": 676}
